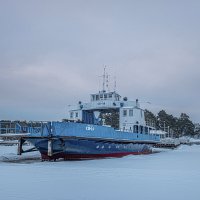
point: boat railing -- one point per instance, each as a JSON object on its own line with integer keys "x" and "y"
{"x": 18, "y": 127}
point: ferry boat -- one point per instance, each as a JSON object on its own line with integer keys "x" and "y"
{"x": 107, "y": 126}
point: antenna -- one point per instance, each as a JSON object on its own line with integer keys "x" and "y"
{"x": 104, "y": 77}
{"x": 107, "y": 82}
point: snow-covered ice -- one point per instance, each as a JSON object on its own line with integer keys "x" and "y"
{"x": 171, "y": 174}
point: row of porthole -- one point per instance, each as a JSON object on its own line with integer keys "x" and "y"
{"x": 117, "y": 147}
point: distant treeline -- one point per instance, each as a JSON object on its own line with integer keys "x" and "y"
{"x": 178, "y": 126}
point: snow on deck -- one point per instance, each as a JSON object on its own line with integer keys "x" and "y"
{"x": 172, "y": 174}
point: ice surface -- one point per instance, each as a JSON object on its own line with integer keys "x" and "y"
{"x": 172, "y": 174}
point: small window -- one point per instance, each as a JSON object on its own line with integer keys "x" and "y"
{"x": 76, "y": 114}
{"x": 97, "y": 97}
{"x": 105, "y": 96}
{"x": 93, "y": 97}
{"x": 141, "y": 129}
{"x": 71, "y": 115}
{"x": 136, "y": 128}
{"x": 124, "y": 113}
{"x": 110, "y": 95}
{"x": 130, "y": 112}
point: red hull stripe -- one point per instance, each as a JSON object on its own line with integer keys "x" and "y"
{"x": 90, "y": 156}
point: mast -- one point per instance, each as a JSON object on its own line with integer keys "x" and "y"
{"x": 104, "y": 78}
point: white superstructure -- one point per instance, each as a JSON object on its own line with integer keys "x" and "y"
{"x": 131, "y": 116}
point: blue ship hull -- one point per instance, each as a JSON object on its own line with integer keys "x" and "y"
{"x": 84, "y": 141}
{"x": 70, "y": 149}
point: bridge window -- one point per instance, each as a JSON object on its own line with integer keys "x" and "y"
{"x": 124, "y": 113}
{"x": 71, "y": 115}
{"x": 130, "y": 112}
{"x": 93, "y": 97}
{"x": 97, "y": 97}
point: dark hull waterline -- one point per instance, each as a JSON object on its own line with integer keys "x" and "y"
{"x": 90, "y": 156}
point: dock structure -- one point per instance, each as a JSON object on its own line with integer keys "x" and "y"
{"x": 15, "y": 132}
{"x": 20, "y": 127}
{"x": 166, "y": 145}
{"x": 168, "y": 142}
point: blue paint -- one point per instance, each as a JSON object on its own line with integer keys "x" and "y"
{"x": 72, "y": 139}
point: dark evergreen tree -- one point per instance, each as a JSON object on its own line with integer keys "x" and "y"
{"x": 166, "y": 121}
{"x": 185, "y": 125}
{"x": 150, "y": 118}
{"x": 111, "y": 118}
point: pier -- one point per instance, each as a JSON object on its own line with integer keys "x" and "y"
{"x": 14, "y": 132}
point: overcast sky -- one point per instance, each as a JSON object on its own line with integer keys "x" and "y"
{"x": 52, "y": 52}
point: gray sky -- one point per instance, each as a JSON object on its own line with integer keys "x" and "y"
{"x": 52, "y": 52}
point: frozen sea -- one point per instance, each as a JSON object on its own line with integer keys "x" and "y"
{"x": 171, "y": 174}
